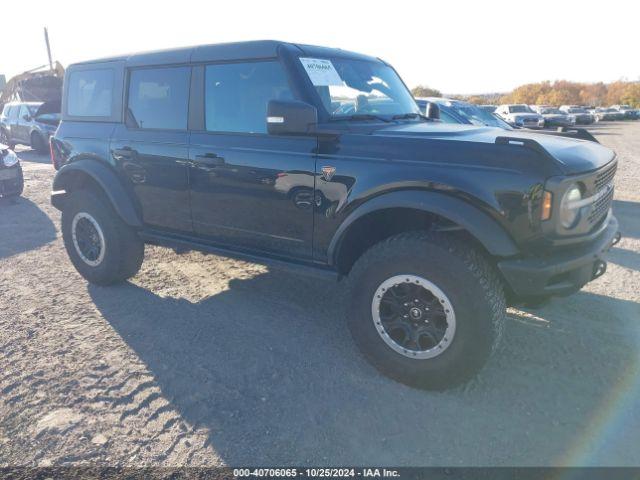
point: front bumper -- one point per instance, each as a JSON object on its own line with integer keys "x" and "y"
{"x": 11, "y": 181}
{"x": 562, "y": 272}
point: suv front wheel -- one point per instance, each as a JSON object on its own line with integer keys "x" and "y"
{"x": 427, "y": 309}
{"x": 100, "y": 245}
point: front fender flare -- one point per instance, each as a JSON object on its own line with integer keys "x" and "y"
{"x": 104, "y": 176}
{"x": 485, "y": 229}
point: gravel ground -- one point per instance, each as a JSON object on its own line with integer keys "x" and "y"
{"x": 202, "y": 360}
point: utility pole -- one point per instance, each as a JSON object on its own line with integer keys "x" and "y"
{"x": 46, "y": 39}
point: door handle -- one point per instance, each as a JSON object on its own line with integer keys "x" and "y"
{"x": 123, "y": 153}
{"x": 210, "y": 160}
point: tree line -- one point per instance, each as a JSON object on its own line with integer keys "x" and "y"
{"x": 560, "y": 92}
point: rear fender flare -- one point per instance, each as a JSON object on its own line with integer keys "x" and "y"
{"x": 108, "y": 180}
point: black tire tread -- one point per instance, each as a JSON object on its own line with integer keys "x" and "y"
{"x": 476, "y": 263}
{"x": 128, "y": 245}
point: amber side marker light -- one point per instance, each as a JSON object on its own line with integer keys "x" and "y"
{"x": 547, "y": 198}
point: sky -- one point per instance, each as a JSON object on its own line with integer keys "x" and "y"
{"x": 455, "y": 46}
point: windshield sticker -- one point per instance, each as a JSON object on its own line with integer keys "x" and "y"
{"x": 321, "y": 72}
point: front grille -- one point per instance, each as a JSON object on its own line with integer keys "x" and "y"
{"x": 605, "y": 177}
{"x": 603, "y": 180}
{"x": 600, "y": 208}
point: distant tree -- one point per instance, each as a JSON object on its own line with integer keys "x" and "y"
{"x": 423, "y": 91}
{"x": 616, "y": 92}
{"x": 631, "y": 95}
{"x": 593, "y": 94}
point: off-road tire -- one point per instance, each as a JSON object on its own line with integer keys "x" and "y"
{"x": 123, "y": 250}
{"x": 463, "y": 274}
{"x": 38, "y": 143}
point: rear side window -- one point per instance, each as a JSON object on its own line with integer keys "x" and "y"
{"x": 159, "y": 98}
{"x": 90, "y": 93}
{"x": 237, "y": 94}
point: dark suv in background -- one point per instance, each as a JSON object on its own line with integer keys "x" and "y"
{"x": 29, "y": 123}
{"x": 320, "y": 159}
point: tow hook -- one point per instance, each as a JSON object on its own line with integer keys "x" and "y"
{"x": 616, "y": 239}
{"x": 599, "y": 268}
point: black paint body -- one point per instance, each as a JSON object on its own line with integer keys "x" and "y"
{"x": 265, "y": 195}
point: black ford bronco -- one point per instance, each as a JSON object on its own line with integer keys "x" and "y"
{"x": 320, "y": 159}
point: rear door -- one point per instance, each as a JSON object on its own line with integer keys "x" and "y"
{"x": 151, "y": 147}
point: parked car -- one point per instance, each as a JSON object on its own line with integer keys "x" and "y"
{"x": 605, "y": 114}
{"x": 29, "y": 123}
{"x": 488, "y": 108}
{"x": 628, "y": 112}
{"x": 554, "y": 117}
{"x": 11, "y": 179}
{"x": 435, "y": 228}
{"x": 582, "y": 116}
{"x": 520, "y": 115}
{"x": 457, "y": 111}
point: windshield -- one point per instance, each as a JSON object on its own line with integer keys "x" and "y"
{"x": 476, "y": 115}
{"x": 519, "y": 109}
{"x": 358, "y": 87}
{"x": 551, "y": 110}
{"x": 33, "y": 108}
{"x": 577, "y": 110}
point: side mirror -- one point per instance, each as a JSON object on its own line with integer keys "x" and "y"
{"x": 432, "y": 111}
{"x": 290, "y": 117}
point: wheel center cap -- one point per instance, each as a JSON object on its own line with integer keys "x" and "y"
{"x": 415, "y": 313}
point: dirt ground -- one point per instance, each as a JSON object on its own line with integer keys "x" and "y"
{"x": 202, "y": 360}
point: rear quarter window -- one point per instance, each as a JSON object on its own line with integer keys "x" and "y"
{"x": 90, "y": 93}
{"x": 159, "y": 98}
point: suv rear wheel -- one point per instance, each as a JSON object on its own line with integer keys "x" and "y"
{"x": 100, "y": 245}
{"x": 426, "y": 309}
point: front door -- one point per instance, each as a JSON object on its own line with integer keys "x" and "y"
{"x": 250, "y": 190}
{"x": 151, "y": 149}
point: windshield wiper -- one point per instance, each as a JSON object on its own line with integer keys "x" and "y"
{"x": 404, "y": 116}
{"x": 362, "y": 116}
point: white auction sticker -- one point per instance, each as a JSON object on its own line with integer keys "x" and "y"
{"x": 321, "y": 71}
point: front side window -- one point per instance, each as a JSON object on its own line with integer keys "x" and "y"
{"x": 159, "y": 98}
{"x": 358, "y": 87}
{"x": 25, "y": 112}
{"x": 90, "y": 93}
{"x": 237, "y": 94}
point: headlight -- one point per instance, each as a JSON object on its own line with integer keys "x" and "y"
{"x": 568, "y": 210}
{"x": 10, "y": 159}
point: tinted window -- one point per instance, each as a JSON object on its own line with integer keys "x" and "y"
{"x": 236, "y": 95}
{"x": 24, "y": 111}
{"x": 90, "y": 93}
{"x": 159, "y": 98}
{"x": 13, "y": 112}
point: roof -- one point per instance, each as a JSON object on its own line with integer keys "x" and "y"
{"x": 225, "y": 51}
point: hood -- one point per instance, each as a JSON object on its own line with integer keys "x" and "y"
{"x": 48, "y": 113}
{"x": 572, "y": 156}
{"x": 48, "y": 107}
